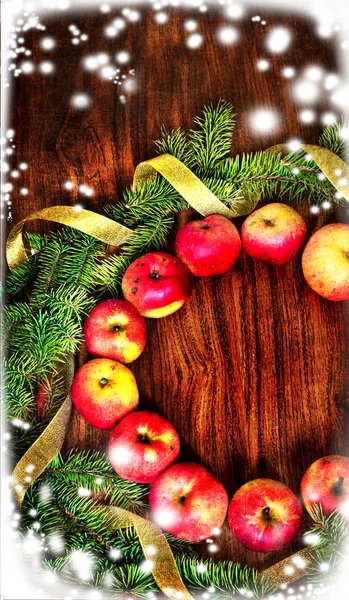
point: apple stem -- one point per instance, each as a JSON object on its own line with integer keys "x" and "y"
{"x": 103, "y": 382}
{"x": 154, "y": 275}
{"x": 118, "y": 328}
{"x": 269, "y": 222}
{"x": 266, "y": 513}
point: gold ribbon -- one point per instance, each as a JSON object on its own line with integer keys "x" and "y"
{"x": 185, "y": 182}
{"x": 100, "y": 227}
{"x": 196, "y": 194}
{"x": 155, "y": 548}
{"x": 332, "y": 166}
{"x": 47, "y": 446}
{"x": 290, "y": 569}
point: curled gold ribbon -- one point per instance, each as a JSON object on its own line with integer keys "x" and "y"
{"x": 162, "y": 563}
{"x": 332, "y": 166}
{"x": 100, "y": 227}
{"x": 290, "y": 569}
{"x": 185, "y": 182}
{"x": 42, "y": 452}
{"x": 48, "y": 444}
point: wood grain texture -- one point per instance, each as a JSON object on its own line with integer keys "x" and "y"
{"x": 253, "y": 371}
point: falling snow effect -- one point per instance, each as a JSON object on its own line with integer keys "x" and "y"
{"x": 195, "y": 40}
{"x": 278, "y": 40}
{"x": 306, "y": 85}
{"x": 228, "y": 35}
{"x": 264, "y": 120}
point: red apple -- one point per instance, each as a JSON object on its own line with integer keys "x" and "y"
{"x": 208, "y": 247}
{"x": 273, "y": 233}
{"x": 115, "y": 329}
{"x": 265, "y": 515}
{"x": 326, "y": 482}
{"x": 142, "y": 446}
{"x": 157, "y": 284}
{"x": 103, "y": 392}
{"x": 325, "y": 261}
{"x": 188, "y": 502}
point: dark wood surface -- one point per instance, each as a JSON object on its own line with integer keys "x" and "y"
{"x": 253, "y": 371}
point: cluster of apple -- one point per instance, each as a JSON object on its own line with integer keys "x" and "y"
{"x": 185, "y": 499}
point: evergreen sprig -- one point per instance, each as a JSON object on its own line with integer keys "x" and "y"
{"x": 332, "y": 545}
{"x": 333, "y": 139}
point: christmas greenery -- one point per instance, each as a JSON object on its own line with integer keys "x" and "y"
{"x": 332, "y": 544}
{"x": 66, "y": 502}
{"x": 49, "y": 296}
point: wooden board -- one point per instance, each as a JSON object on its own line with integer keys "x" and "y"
{"x": 253, "y": 371}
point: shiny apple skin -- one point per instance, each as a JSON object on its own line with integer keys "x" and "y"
{"x": 322, "y": 484}
{"x": 273, "y": 233}
{"x": 157, "y": 284}
{"x": 325, "y": 262}
{"x": 208, "y": 247}
{"x": 188, "y": 502}
{"x": 115, "y": 329}
{"x": 142, "y": 446}
{"x": 104, "y": 404}
{"x": 255, "y": 530}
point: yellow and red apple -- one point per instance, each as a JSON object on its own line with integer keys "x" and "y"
{"x": 265, "y": 515}
{"x": 157, "y": 284}
{"x": 326, "y": 483}
{"x": 273, "y": 233}
{"x": 188, "y": 502}
{"x": 103, "y": 392}
{"x": 115, "y": 329}
{"x": 325, "y": 262}
{"x": 142, "y": 446}
{"x": 208, "y": 247}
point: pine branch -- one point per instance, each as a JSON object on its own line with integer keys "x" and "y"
{"x": 264, "y": 174}
{"x": 332, "y": 546}
{"x": 150, "y": 200}
{"x": 205, "y": 146}
{"x": 333, "y": 139}
{"x": 175, "y": 142}
{"x": 38, "y": 341}
{"x": 210, "y": 143}
{"x": 87, "y": 468}
{"x": 37, "y": 241}
{"x": 21, "y": 439}
{"x": 20, "y": 281}
{"x": 121, "y": 581}
{"x": 66, "y": 259}
{"x": 226, "y": 577}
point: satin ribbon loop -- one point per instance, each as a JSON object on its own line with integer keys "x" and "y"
{"x": 48, "y": 444}
{"x": 164, "y": 568}
{"x": 86, "y": 221}
{"x": 185, "y": 182}
{"x": 332, "y": 166}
